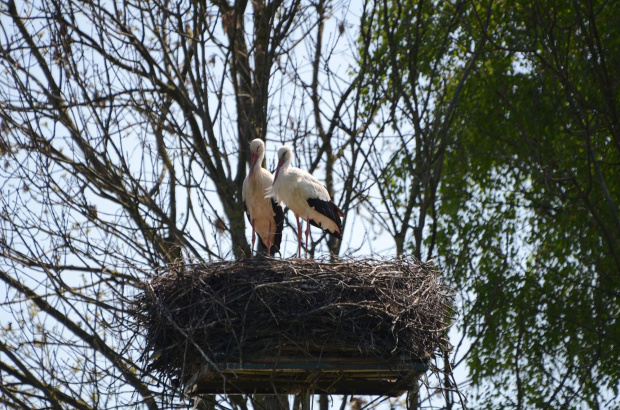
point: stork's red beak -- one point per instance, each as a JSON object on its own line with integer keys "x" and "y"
{"x": 253, "y": 160}
{"x": 277, "y": 172}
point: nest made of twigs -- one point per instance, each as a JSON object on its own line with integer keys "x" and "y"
{"x": 194, "y": 314}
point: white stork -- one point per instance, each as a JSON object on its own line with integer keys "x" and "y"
{"x": 264, "y": 214}
{"x": 306, "y": 197}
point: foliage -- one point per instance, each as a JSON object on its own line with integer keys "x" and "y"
{"x": 506, "y": 118}
{"x": 529, "y": 207}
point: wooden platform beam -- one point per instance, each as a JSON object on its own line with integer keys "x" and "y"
{"x": 291, "y": 375}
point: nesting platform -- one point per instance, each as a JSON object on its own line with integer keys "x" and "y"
{"x": 273, "y": 326}
{"x": 291, "y": 375}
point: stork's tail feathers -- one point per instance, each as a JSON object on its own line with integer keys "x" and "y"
{"x": 331, "y": 211}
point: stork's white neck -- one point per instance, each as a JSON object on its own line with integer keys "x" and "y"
{"x": 286, "y": 164}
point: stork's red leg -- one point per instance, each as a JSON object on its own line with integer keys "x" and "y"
{"x": 253, "y": 237}
{"x": 298, "y": 237}
{"x": 269, "y": 240}
{"x": 307, "y": 233}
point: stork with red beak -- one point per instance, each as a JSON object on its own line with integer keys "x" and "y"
{"x": 264, "y": 214}
{"x": 306, "y": 197}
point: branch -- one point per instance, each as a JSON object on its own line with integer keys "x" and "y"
{"x": 94, "y": 341}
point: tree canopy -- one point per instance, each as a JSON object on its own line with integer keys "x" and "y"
{"x": 534, "y": 181}
{"x": 524, "y": 207}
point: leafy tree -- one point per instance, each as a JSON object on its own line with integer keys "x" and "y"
{"x": 533, "y": 180}
{"x": 506, "y": 156}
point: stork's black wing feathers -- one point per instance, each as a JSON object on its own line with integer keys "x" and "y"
{"x": 330, "y": 210}
{"x": 279, "y": 217}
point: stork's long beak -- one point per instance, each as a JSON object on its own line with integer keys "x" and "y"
{"x": 277, "y": 172}
{"x": 253, "y": 160}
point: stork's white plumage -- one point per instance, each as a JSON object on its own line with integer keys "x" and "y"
{"x": 264, "y": 214}
{"x": 306, "y": 197}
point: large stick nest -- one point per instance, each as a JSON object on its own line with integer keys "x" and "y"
{"x": 196, "y": 314}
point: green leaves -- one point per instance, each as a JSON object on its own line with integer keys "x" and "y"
{"x": 534, "y": 129}
{"x": 516, "y": 167}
